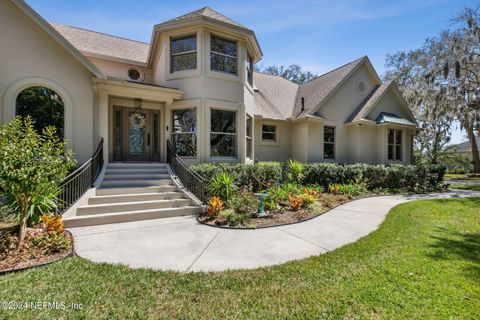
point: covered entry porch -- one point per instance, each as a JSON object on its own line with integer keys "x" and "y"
{"x": 133, "y": 119}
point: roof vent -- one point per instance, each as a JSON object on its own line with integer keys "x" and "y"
{"x": 303, "y": 105}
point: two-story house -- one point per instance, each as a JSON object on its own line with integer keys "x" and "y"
{"x": 194, "y": 85}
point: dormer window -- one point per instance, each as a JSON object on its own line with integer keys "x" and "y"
{"x": 183, "y": 53}
{"x": 223, "y": 55}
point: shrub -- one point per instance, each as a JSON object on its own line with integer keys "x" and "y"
{"x": 244, "y": 202}
{"x": 334, "y": 188}
{"x": 52, "y": 223}
{"x": 307, "y": 199}
{"x": 214, "y": 206}
{"x": 351, "y": 189}
{"x": 32, "y": 167}
{"x": 312, "y": 192}
{"x": 295, "y": 171}
{"x": 222, "y": 185}
{"x": 296, "y": 202}
{"x": 51, "y": 242}
{"x": 232, "y": 218}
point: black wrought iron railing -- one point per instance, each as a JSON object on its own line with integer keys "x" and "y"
{"x": 191, "y": 181}
{"x": 80, "y": 180}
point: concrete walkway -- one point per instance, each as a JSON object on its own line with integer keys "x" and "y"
{"x": 181, "y": 244}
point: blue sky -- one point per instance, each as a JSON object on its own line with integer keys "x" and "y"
{"x": 319, "y": 35}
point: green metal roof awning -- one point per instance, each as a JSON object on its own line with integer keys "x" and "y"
{"x": 385, "y": 117}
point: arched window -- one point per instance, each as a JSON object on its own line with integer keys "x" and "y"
{"x": 44, "y": 105}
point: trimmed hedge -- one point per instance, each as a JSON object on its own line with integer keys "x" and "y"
{"x": 263, "y": 175}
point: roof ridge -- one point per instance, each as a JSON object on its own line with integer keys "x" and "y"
{"x": 333, "y": 70}
{"x": 97, "y": 32}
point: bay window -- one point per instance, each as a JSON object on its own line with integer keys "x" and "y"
{"x": 250, "y": 70}
{"x": 184, "y": 132}
{"x": 223, "y": 133}
{"x": 248, "y": 138}
{"x": 183, "y": 53}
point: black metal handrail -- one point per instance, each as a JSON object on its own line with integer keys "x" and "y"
{"x": 191, "y": 181}
{"x": 80, "y": 180}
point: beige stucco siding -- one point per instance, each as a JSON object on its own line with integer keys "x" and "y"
{"x": 273, "y": 151}
{"x": 389, "y": 103}
{"x": 28, "y": 56}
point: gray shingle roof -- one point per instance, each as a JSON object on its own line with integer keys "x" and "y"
{"x": 204, "y": 12}
{"x": 315, "y": 91}
{"x": 466, "y": 147}
{"x": 278, "y": 98}
{"x": 99, "y": 43}
{"x": 274, "y": 97}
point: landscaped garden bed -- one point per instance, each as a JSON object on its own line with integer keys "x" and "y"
{"x": 46, "y": 243}
{"x": 270, "y": 193}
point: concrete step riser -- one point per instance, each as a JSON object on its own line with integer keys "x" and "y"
{"x": 136, "y": 198}
{"x": 136, "y": 171}
{"x": 94, "y": 220}
{"x": 119, "y": 191}
{"x": 136, "y": 166}
{"x": 135, "y": 183}
{"x": 134, "y": 206}
{"x": 110, "y": 177}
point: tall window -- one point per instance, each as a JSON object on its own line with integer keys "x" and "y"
{"x": 183, "y": 53}
{"x": 395, "y": 144}
{"x": 249, "y": 137}
{"x": 250, "y": 70}
{"x": 184, "y": 132}
{"x": 329, "y": 142}
{"x": 45, "y": 107}
{"x": 269, "y": 133}
{"x": 223, "y": 133}
{"x": 223, "y": 55}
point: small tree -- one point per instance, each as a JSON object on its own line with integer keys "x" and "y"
{"x": 32, "y": 166}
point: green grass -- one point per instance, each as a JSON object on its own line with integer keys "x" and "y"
{"x": 471, "y": 187}
{"x": 454, "y": 176}
{"x": 423, "y": 262}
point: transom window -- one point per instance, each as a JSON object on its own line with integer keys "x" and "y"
{"x": 223, "y": 133}
{"x": 183, "y": 53}
{"x": 249, "y": 137}
{"x": 184, "y": 132}
{"x": 269, "y": 133}
{"x": 328, "y": 142}
{"x": 223, "y": 55}
{"x": 395, "y": 144}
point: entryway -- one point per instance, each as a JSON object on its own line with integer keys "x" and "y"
{"x": 136, "y": 134}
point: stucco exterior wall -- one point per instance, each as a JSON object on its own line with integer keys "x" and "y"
{"x": 273, "y": 151}
{"x": 341, "y": 105}
{"x": 30, "y": 57}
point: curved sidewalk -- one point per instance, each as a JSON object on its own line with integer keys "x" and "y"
{"x": 181, "y": 244}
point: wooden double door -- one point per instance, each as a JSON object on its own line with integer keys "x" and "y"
{"x": 136, "y": 134}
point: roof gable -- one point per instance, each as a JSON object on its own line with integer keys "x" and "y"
{"x": 316, "y": 92}
{"x": 371, "y": 101}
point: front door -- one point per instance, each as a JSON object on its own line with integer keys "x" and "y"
{"x": 136, "y": 134}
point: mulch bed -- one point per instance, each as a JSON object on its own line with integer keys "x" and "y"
{"x": 29, "y": 255}
{"x": 287, "y": 216}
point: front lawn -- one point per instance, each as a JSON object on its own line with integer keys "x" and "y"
{"x": 454, "y": 176}
{"x": 470, "y": 187}
{"x": 422, "y": 262}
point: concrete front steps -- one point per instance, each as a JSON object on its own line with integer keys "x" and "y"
{"x": 132, "y": 192}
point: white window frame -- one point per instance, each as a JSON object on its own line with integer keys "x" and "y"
{"x": 334, "y": 143}
{"x": 395, "y": 144}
